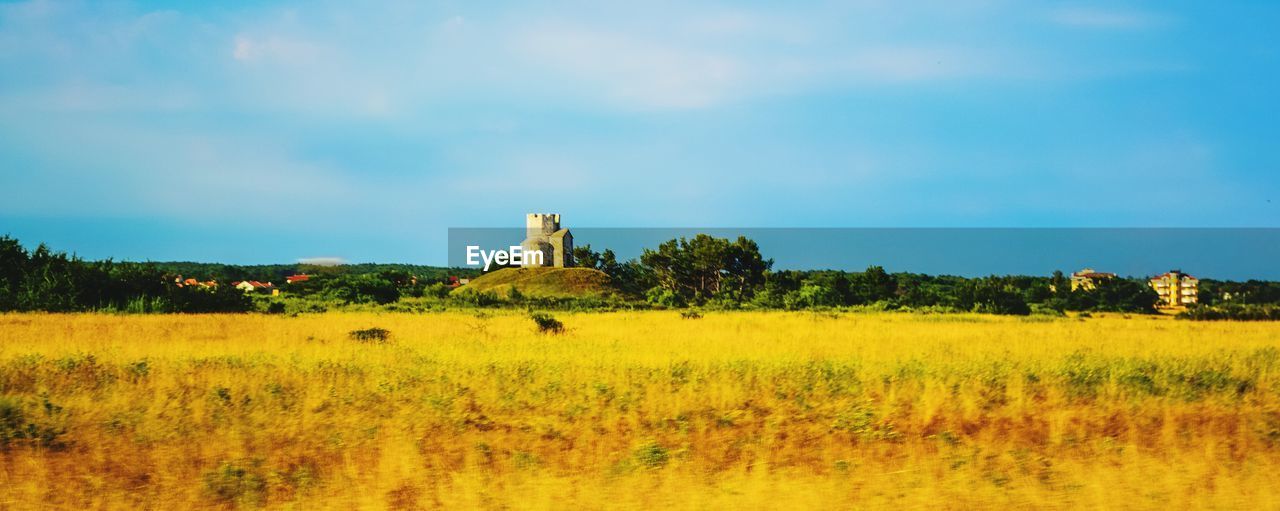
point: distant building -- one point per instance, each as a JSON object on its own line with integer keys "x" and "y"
{"x": 1087, "y": 279}
{"x": 297, "y": 278}
{"x": 1176, "y": 289}
{"x": 181, "y": 282}
{"x": 250, "y": 286}
{"x": 544, "y": 234}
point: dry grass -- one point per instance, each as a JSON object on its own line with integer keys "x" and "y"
{"x": 542, "y": 282}
{"x": 638, "y": 410}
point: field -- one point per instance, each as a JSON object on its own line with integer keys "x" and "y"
{"x": 637, "y": 410}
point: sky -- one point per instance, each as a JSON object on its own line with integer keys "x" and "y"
{"x": 265, "y": 132}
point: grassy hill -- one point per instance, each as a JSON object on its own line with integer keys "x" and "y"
{"x": 542, "y": 282}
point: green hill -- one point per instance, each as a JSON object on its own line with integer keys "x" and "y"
{"x": 542, "y": 282}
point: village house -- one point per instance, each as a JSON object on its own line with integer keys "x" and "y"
{"x": 181, "y": 282}
{"x": 1088, "y": 279}
{"x": 293, "y": 279}
{"x": 1176, "y": 289}
{"x": 456, "y": 282}
{"x": 250, "y": 286}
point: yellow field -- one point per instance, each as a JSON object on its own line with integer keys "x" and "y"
{"x": 639, "y": 411}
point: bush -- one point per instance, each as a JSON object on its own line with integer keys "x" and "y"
{"x": 479, "y": 298}
{"x": 436, "y": 290}
{"x": 664, "y": 298}
{"x": 378, "y": 335}
{"x": 16, "y": 428}
{"x": 811, "y": 296}
{"x": 547, "y": 323}
{"x": 690, "y": 314}
{"x": 514, "y": 295}
{"x": 1232, "y": 312}
{"x": 369, "y": 288}
{"x": 1044, "y": 309}
{"x": 653, "y": 456}
{"x": 1115, "y": 295}
{"x": 275, "y": 308}
{"x": 877, "y": 306}
{"x": 194, "y": 299}
{"x": 233, "y": 483}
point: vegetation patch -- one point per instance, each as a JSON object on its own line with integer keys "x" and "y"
{"x": 234, "y": 483}
{"x": 652, "y": 455}
{"x": 1232, "y": 312}
{"x": 373, "y": 335}
{"x": 540, "y": 283}
{"x": 547, "y": 323}
{"x": 19, "y": 428}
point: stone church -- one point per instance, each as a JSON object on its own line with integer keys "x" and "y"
{"x": 543, "y": 233}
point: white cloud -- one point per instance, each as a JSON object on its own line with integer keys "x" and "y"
{"x": 640, "y": 69}
{"x": 396, "y": 61}
{"x": 81, "y": 97}
{"x": 323, "y": 261}
{"x": 1100, "y": 18}
{"x": 279, "y": 49}
{"x": 243, "y": 48}
{"x": 913, "y": 64}
{"x": 29, "y": 10}
{"x": 633, "y": 69}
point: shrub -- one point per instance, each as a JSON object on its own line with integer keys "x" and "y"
{"x": 811, "y": 295}
{"x": 664, "y": 298}
{"x": 17, "y": 428}
{"x": 690, "y": 314}
{"x": 368, "y": 288}
{"x": 233, "y": 483}
{"x": 436, "y": 290}
{"x": 652, "y": 455}
{"x": 375, "y": 334}
{"x": 1233, "y": 312}
{"x": 547, "y": 323}
{"x": 193, "y": 299}
{"x": 275, "y": 308}
{"x": 478, "y": 298}
{"x": 1046, "y": 310}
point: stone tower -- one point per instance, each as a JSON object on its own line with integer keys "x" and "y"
{"x": 543, "y": 233}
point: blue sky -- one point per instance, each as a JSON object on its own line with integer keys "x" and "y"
{"x": 267, "y": 132}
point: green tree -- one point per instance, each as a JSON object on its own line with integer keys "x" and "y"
{"x": 628, "y": 277}
{"x": 585, "y": 257}
{"x": 992, "y": 295}
{"x": 812, "y": 294}
{"x": 378, "y": 288}
{"x": 872, "y": 285}
{"x": 1123, "y": 295}
{"x": 1060, "y": 285}
{"x": 13, "y": 269}
{"x": 706, "y": 267}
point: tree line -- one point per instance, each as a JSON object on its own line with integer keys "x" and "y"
{"x": 45, "y": 280}
{"x": 709, "y": 271}
{"x": 702, "y": 271}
